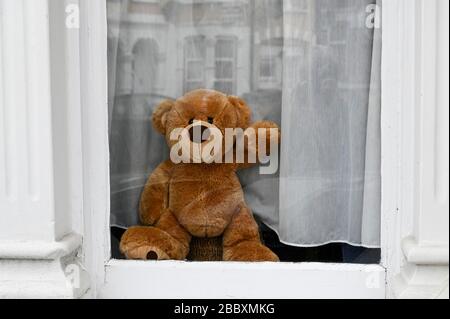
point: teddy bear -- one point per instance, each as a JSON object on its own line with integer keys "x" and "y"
{"x": 196, "y": 210}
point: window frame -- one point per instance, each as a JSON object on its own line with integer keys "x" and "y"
{"x": 301, "y": 280}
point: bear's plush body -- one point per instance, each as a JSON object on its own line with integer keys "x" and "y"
{"x": 201, "y": 203}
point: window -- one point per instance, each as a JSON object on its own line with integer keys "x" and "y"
{"x": 195, "y": 54}
{"x": 225, "y": 64}
{"x": 267, "y": 70}
{"x": 145, "y": 66}
{"x": 323, "y": 204}
{"x": 330, "y": 157}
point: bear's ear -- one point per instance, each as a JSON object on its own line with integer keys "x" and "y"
{"x": 160, "y": 115}
{"x": 242, "y": 110}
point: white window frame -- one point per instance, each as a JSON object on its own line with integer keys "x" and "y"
{"x": 113, "y": 278}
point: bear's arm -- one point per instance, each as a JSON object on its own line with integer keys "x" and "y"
{"x": 253, "y": 148}
{"x": 154, "y": 198}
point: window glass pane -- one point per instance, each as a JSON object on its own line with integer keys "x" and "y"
{"x": 194, "y": 61}
{"x": 194, "y": 70}
{"x": 267, "y": 68}
{"x": 193, "y": 85}
{"x": 224, "y": 86}
{"x": 225, "y": 48}
{"x": 224, "y": 70}
{"x": 195, "y": 48}
{"x": 310, "y": 66}
{"x": 298, "y": 5}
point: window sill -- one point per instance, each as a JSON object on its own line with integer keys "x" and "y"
{"x": 169, "y": 279}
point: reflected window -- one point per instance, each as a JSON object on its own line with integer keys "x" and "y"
{"x": 145, "y": 66}
{"x": 225, "y": 64}
{"x": 194, "y": 63}
{"x": 267, "y": 71}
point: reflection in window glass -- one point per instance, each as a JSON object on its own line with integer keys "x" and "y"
{"x": 267, "y": 69}
{"x": 225, "y": 64}
{"x": 195, "y": 52}
{"x": 225, "y": 48}
{"x": 312, "y": 66}
{"x": 145, "y": 65}
{"x": 224, "y": 70}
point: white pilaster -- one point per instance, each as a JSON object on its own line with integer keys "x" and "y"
{"x": 417, "y": 257}
{"x": 432, "y": 126}
{"x": 37, "y": 246}
{"x": 26, "y": 190}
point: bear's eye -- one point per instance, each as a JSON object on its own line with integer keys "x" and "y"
{"x": 210, "y": 120}
{"x": 191, "y": 121}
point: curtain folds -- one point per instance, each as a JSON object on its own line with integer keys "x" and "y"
{"x": 330, "y": 165}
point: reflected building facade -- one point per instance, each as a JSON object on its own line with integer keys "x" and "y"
{"x": 166, "y": 48}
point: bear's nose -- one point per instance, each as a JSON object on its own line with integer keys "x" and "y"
{"x": 199, "y": 134}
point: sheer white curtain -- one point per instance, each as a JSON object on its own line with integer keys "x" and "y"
{"x": 313, "y": 66}
{"x": 330, "y": 168}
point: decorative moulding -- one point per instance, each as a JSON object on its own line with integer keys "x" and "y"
{"x": 424, "y": 254}
{"x": 42, "y": 269}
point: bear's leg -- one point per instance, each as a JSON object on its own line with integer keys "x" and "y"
{"x": 241, "y": 240}
{"x": 167, "y": 240}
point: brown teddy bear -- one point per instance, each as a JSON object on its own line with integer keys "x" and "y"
{"x": 197, "y": 211}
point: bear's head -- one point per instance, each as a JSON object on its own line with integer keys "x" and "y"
{"x": 200, "y": 111}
